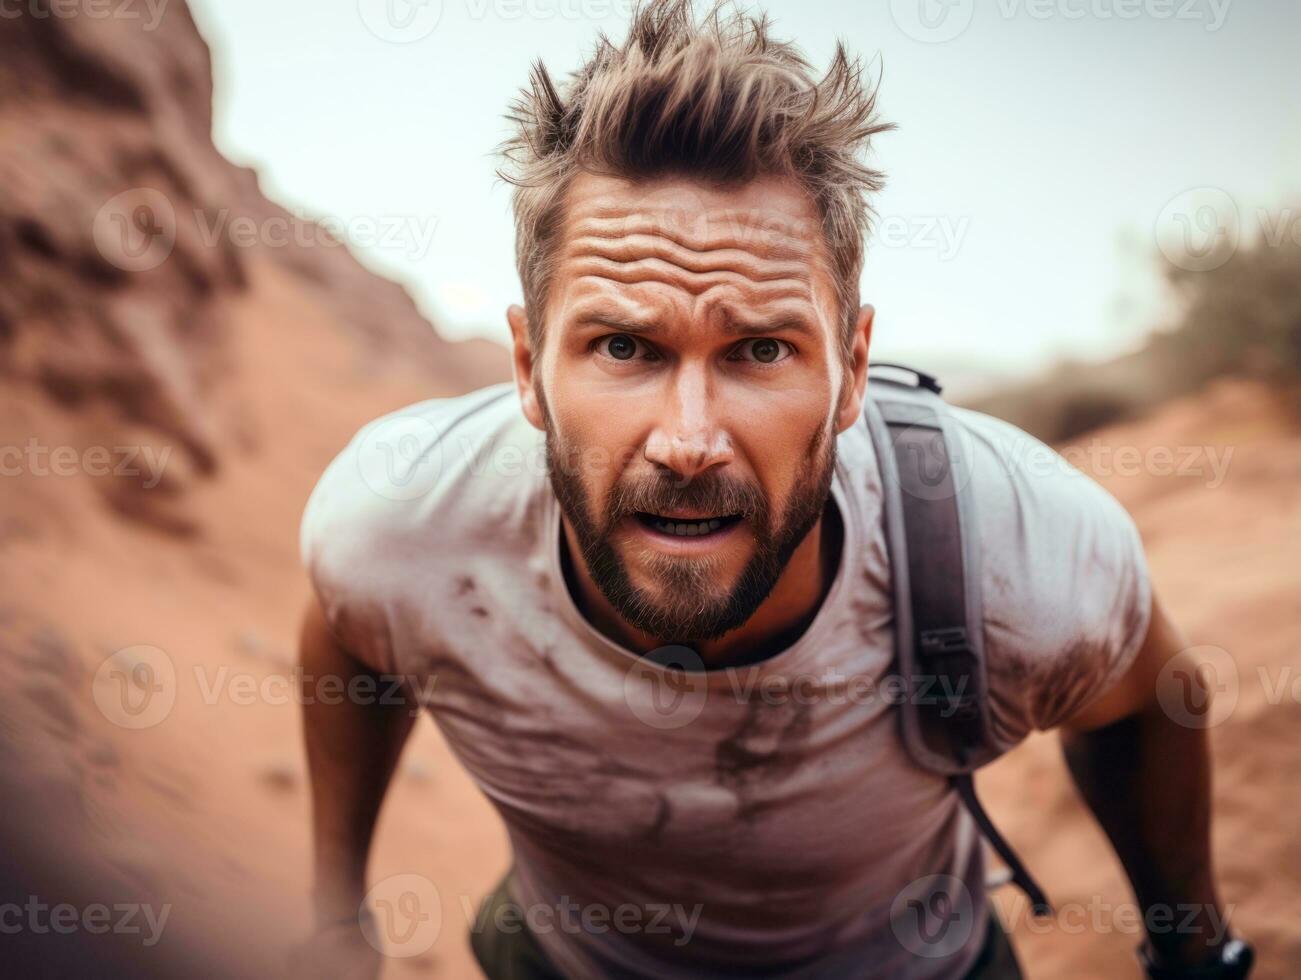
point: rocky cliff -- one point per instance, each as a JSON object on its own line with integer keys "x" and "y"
{"x": 129, "y": 248}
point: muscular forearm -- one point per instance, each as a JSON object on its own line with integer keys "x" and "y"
{"x": 1147, "y": 779}
{"x": 352, "y": 748}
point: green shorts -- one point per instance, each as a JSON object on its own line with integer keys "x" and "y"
{"x": 516, "y": 954}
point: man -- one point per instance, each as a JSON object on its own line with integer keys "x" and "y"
{"x": 686, "y": 510}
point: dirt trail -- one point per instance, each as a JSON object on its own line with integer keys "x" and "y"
{"x": 1220, "y": 517}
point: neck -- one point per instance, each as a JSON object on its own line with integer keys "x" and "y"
{"x": 776, "y": 624}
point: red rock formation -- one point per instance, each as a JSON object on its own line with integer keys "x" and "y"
{"x": 117, "y": 274}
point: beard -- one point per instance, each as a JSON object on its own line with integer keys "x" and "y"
{"x": 688, "y": 605}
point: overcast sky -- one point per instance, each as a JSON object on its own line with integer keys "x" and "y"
{"x": 1044, "y": 148}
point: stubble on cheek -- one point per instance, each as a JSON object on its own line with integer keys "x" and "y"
{"x": 585, "y": 466}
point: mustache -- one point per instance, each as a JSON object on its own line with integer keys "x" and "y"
{"x": 710, "y": 493}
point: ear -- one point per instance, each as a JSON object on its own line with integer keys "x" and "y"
{"x": 522, "y": 358}
{"x": 851, "y": 402}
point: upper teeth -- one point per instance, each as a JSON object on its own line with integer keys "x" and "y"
{"x": 687, "y": 528}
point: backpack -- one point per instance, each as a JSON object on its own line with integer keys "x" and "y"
{"x": 934, "y": 557}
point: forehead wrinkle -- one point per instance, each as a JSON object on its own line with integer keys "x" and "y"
{"x": 629, "y": 248}
{"x": 612, "y": 252}
{"x": 614, "y": 218}
{"x": 696, "y": 283}
{"x": 776, "y": 232}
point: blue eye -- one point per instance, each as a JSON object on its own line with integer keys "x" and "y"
{"x": 763, "y": 350}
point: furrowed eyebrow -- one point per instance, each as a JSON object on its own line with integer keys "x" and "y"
{"x": 614, "y": 321}
{"x": 795, "y": 324}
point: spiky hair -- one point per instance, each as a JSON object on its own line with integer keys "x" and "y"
{"x": 715, "y": 97}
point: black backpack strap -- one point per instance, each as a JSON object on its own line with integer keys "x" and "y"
{"x": 1021, "y": 876}
{"x": 934, "y": 559}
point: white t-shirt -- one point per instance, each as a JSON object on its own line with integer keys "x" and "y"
{"x": 763, "y": 820}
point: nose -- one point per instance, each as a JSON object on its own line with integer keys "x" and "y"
{"x": 689, "y": 436}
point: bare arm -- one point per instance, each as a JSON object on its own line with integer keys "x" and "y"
{"x": 1147, "y": 779}
{"x": 353, "y": 745}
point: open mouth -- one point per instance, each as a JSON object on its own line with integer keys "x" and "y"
{"x": 680, "y": 528}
